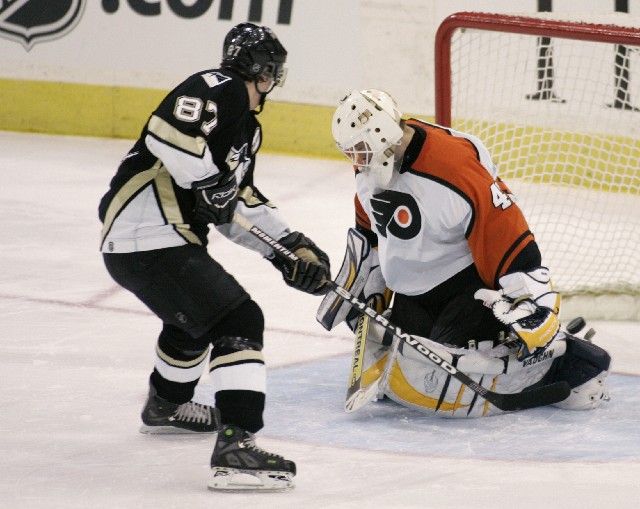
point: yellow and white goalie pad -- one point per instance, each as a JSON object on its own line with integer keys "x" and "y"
{"x": 417, "y": 383}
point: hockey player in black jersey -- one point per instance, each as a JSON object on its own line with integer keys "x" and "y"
{"x": 192, "y": 166}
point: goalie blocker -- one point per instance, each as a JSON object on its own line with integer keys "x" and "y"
{"x": 361, "y": 276}
{"x": 414, "y": 383}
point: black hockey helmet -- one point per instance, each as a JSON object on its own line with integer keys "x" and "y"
{"x": 254, "y": 51}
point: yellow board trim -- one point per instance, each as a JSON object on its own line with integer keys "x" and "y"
{"x": 76, "y": 109}
{"x": 596, "y": 161}
{"x": 121, "y": 112}
{"x": 305, "y": 130}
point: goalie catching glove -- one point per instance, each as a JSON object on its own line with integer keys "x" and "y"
{"x": 361, "y": 276}
{"x": 311, "y": 271}
{"x": 526, "y": 303}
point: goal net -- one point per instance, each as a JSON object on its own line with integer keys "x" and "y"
{"x": 557, "y": 103}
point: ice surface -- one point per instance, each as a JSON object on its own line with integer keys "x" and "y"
{"x": 76, "y": 351}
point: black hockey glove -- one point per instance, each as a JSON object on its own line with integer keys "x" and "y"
{"x": 216, "y": 199}
{"x": 311, "y": 271}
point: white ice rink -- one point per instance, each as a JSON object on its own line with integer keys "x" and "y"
{"x": 76, "y": 351}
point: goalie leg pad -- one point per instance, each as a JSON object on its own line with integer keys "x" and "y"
{"x": 374, "y": 351}
{"x": 418, "y": 384}
{"x": 585, "y": 367}
{"x": 589, "y": 395}
{"x": 583, "y": 361}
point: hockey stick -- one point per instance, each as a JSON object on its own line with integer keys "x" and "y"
{"x": 360, "y": 393}
{"x": 531, "y": 398}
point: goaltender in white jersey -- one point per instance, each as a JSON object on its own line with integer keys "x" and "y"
{"x": 438, "y": 230}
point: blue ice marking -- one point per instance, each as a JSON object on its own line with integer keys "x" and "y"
{"x": 305, "y": 403}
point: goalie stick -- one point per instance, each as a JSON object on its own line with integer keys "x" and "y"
{"x": 359, "y": 393}
{"x": 531, "y": 398}
{"x": 361, "y": 390}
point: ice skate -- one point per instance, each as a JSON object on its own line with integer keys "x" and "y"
{"x": 160, "y": 416}
{"x": 238, "y": 464}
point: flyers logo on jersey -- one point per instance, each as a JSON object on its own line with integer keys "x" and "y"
{"x": 396, "y": 213}
{"x": 32, "y": 21}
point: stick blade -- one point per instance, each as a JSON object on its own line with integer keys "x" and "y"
{"x": 359, "y": 397}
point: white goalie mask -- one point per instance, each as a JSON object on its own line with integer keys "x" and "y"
{"x": 366, "y": 128}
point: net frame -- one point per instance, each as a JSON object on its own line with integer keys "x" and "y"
{"x": 549, "y": 26}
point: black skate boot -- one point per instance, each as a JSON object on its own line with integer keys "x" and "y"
{"x": 160, "y": 416}
{"x": 238, "y": 464}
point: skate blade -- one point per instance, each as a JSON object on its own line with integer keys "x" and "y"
{"x": 171, "y": 430}
{"x": 232, "y": 479}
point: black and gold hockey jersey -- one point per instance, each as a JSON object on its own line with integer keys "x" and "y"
{"x": 202, "y": 127}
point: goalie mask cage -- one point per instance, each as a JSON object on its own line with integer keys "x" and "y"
{"x": 557, "y": 104}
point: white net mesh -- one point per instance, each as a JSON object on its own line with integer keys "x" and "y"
{"x": 561, "y": 119}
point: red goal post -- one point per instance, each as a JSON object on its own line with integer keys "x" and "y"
{"x": 613, "y": 34}
{"x": 569, "y": 149}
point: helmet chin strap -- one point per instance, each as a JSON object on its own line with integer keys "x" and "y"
{"x": 263, "y": 96}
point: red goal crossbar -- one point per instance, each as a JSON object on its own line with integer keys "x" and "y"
{"x": 513, "y": 24}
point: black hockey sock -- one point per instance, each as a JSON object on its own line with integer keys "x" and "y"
{"x": 241, "y": 408}
{"x": 176, "y": 392}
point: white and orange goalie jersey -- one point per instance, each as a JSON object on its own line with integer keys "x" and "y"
{"x": 444, "y": 210}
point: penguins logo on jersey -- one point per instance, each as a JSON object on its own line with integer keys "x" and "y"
{"x": 239, "y": 161}
{"x": 32, "y": 21}
{"x": 397, "y": 213}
